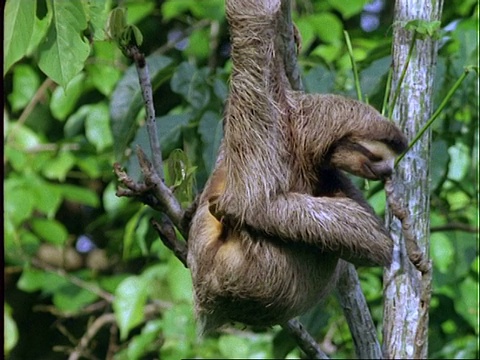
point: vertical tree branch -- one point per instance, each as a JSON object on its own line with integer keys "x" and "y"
{"x": 407, "y": 291}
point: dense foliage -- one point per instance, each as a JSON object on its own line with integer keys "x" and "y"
{"x": 81, "y": 262}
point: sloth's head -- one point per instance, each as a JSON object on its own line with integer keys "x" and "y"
{"x": 368, "y": 158}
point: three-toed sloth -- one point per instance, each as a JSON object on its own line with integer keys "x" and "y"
{"x": 278, "y": 214}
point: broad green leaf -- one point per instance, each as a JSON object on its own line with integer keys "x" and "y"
{"x": 79, "y": 195}
{"x": 58, "y": 167}
{"x": 91, "y": 166}
{"x": 327, "y": 27}
{"x": 10, "y": 330}
{"x": 170, "y": 129}
{"x": 348, "y": 8}
{"x": 467, "y": 304}
{"x": 320, "y": 80}
{"x": 50, "y": 230}
{"x": 209, "y": 9}
{"x": 25, "y": 84}
{"x": 329, "y": 53}
{"x": 23, "y": 138}
{"x": 199, "y": 44}
{"x": 63, "y": 54}
{"x": 173, "y": 8}
{"x": 112, "y": 203}
{"x": 443, "y": 253}
{"x": 34, "y": 280}
{"x": 71, "y": 298}
{"x": 179, "y": 281}
{"x": 47, "y": 196}
{"x": 127, "y": 100}
{"x": 178, "y": 325}
{"x": 191, "y": 83}
{"x": 19, "y": 18}
{"x": 145, "y": 342}
{"x": 97, "y": 127}
{"x": 129, "y": 303}
{"x": 75, "y": 122}
{"x": 63, "y": 100}
{"x": 19, "y": 200}
{"x": 97, "y": 13}
{"x": 211, "y": 131}
{"x": 104, "y": 73}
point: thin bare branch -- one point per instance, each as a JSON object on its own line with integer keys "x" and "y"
{"x": 304, "y": 340}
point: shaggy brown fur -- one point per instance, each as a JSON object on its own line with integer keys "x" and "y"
{"x": 277, "y": 214}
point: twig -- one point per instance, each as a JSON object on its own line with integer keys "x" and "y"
{"x": 92, "y": 330}
{"x": 167, "y": 233}
{"x": 455, "y": 227}
{"x": 304, "y": 340}
{"x": 74, "y": 280}
{"x": 95, "y": 327}
{"x": 146, "y": 87}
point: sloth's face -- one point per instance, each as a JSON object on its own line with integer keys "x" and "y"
{"x": 368, "y": 159}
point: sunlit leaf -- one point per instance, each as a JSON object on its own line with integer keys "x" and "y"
{"x": 129, "y": 303}
{"x": 63, "y": 100}
{"x": 63, "y": 54}
{"x": 50, "y": 230}
{"x": 25, "y": 83}
{"x": 19, "y": 16}
{"x": 10, "y": 330}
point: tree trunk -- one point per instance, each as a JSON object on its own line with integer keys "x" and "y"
{"x": 407, "y": 292}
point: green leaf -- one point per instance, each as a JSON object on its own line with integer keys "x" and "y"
{"x": 63, "y": 54}
{"x": 19, "y": 200}
{"x": 47, "y": 196}
{"x": 141, "y": 344}
{"x": 104, "y": 73}
{"x": 209, "y": 9}
{"x": 50, "y": 230}
{"x": 97, "y": 127}
{"x": 348, "y": 8}
{"x": 127, "y": 100}
{"x": 199, "y": 44}
{"x": 211, "y": 131}
{"x": 173, "y": 8}
{"x": 97, "y": 14}
{"x": 75, "y": 122}
{"x": 19, "y": 17}
{"x": 64, "y": 100}
{"x": 34, "y": 280}
{"x": 179, "y": 281}
{"x": 170, "y": 129}
{"x": 192, "y": 84}
{"x": 79, "y": 195}
{"x": 71, "y": 298}
{"x": 467, "y": 303}
{"x": 129, "y": 303}
{"x": 58, "y": 167}
{"x": 327, "y": 27}
{"x": 442, "y": 251}
{"x": 10, "y": 330}
{"x": 25, "y": 84}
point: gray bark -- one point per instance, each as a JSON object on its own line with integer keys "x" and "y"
{"x": 406, "y": 291}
